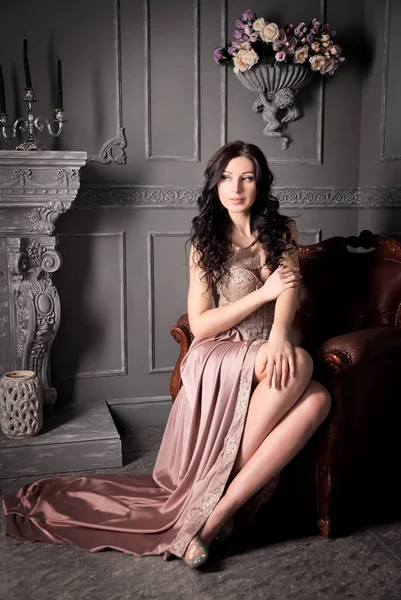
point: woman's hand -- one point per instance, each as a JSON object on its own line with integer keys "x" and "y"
{"x": 281, "y": 279}
{"x": 277, "y": 359}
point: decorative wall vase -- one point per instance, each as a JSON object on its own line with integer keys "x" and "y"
{"x": 21, "y": 404}
{"x": 276, "y": 88}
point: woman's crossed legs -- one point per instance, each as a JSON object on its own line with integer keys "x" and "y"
{"x": 278, "y": 425}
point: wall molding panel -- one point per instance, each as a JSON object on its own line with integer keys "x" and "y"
{"x": 149, "y": 156}
{"x": 112, "y": 151}
{"x": 122, "y": 268}
{"x": 151, "y": 296}
{"x": 384, "y": 91}
{"x": 309, "y": 236}
{"x": 223, "y": 73}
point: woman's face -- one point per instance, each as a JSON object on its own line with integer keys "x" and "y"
{"x": 237, "y": 186}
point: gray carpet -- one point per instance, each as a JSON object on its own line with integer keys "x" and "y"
{"x": 276, "y": 557}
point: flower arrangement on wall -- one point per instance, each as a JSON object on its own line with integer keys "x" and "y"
{"x": 276, "y": 62}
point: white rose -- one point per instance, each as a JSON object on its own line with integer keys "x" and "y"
{"x": 258, "y": 24}
{"x": 327, "y": 67}
{"x": 244, "y": 60}
{"x": 317, "y": 62}
{"x": 335, "y": 50}
{"x": 270, "y": 32}
{"x": 301, "y": 54}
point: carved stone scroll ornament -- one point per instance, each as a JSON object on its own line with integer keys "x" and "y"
{"x": 112, "y": 151}
{"x": 44, "y": 218}
{"x": 36, "y": 304}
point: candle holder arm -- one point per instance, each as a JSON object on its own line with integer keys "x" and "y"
{"x": 41, "y": 122}
{"x": 20, "y": 124}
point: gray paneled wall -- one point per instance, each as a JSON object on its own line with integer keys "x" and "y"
{"x": 380, "y": 148}
{"x": 143, "y": 72}
{"x": 145, "y": 99}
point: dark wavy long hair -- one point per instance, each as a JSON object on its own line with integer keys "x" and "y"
{"x": 209, "y": 234}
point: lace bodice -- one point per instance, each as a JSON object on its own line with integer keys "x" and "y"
{"x": 237, "y": 283}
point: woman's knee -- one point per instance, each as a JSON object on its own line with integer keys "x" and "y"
{"x": 319, "y": 401}
{"x": 303, "y": 363}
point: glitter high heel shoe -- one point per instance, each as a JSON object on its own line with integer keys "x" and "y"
{"x": 226, "y": 530}
{"x": 196, "y": 553}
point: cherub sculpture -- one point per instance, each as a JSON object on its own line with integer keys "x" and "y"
{"x": 271, "y": 103}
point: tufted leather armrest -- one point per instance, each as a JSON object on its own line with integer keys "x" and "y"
{"x": 342, "y": 353}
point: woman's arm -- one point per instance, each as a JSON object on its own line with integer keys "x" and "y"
{"x": 278, "y": 359}
{"x": 205, "y": 320}
{"x": 286, "y": 304}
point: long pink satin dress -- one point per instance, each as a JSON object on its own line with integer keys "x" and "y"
{"x": 159, "y": 513}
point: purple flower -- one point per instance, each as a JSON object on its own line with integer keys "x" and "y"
{"x": 309, "y": 38}
{"x": 218, "y": 54}
{"x": 232, "y": 50}
{"x": 315, "y": 30}
{"x": 291, "y": 42}
{"x": 247, "y": 15}
{"x": 253, "y": 37}
{"x": 281, "y": 38}
{"x": 245, "y": 38}
{"x": 237, "y": 34}
{"x": 239, "y": 24}
{"x": 248, "y": 30}
{"x": 280, "y": 56}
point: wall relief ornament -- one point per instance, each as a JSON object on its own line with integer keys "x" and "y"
{"x": 137, "y": 196}
{"x": 26, "y": 178}
{"x": 166, "y": 197}
{"x": 112, "y": 151}
{"x": 35, "y": 304}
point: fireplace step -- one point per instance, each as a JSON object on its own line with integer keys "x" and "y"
{"x": 74, "y": 437}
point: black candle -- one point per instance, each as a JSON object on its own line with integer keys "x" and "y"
{"x": 2, "y": 94}
{"x": 28, "y": 82}
{"x": 59, "y": 99}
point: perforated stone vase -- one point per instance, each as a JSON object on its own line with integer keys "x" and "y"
{"x": 276, "y": 88}
{"x": 21, "y": 404}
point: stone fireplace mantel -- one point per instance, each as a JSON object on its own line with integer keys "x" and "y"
{"x": 36, "y": 187}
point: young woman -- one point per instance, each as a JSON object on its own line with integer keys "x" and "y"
{"x": 247, "y": 404}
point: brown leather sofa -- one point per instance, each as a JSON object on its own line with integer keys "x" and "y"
{"x": 349, "y": 319}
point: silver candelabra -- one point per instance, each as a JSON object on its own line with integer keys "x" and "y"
{"x": 31, "y": 124}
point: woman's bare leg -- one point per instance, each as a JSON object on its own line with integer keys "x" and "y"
{"x": 268, "y": 406}
{"x": 278, "y": 448}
